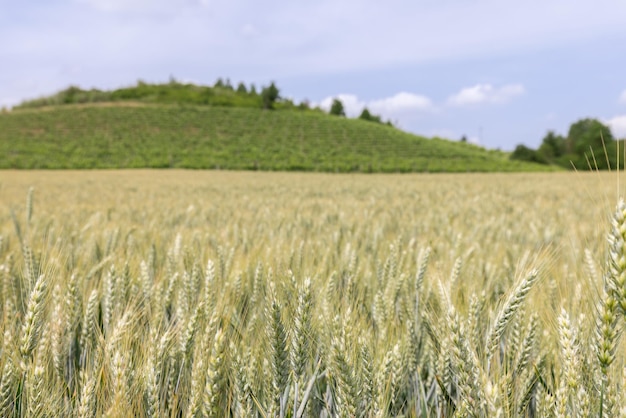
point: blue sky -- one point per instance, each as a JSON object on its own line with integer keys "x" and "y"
{"x": 499, "y": 72}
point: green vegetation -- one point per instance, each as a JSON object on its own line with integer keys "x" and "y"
{"x": 367, "y": 115}
{"x": 171, "y": 293}
{"x": 336, "y": 108}
{"x": 221, "y": 94}
{"x": 588, "y": 144}
{"x": 190, "y": 126}
{"x": 269, "y": 95}
{"x": 134, "y": 135}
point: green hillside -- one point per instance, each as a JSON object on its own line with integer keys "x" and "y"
{"x": 133, "y": 135}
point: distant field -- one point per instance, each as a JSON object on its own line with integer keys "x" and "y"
{"x": 136, "y": 135}
{"x": 212, "y": 293}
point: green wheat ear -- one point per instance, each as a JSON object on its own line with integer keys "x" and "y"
{"x": 9, "y": 376}
{"x": 617, "y": 255}
{"x": 277, "y": 350}
{"x": 34, "y": 318}
{"x": 508, "y": 310}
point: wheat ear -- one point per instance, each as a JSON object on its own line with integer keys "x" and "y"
{"x": 34, "y": 319}
{"x": 7, "y": 383}
{"x": 86, "y": 402}
{"x": 343, "y": 372}
{"x": 216, "y": 378}
{"x": 509, "y": 309}
{"x": 277, "y": 339}
{"x": 617, "y": 255}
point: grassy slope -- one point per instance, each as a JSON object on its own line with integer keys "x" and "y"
{"x": 126, "y": 136}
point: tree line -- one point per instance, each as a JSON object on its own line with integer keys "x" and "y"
{"x": 337, "y": 109}
{"x": 222, "y": 93}
{"x": 588, "y": 145}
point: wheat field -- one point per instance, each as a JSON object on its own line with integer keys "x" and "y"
{"x": 192, "y": 293}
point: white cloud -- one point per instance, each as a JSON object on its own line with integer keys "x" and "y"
{"x": 622, "y": 97}
{"x": 410, "y": 32}
{"x": 618, "y": 126}
{"x": 388, "y": 107}
{"x": 401, "y": 102}
{"x": 485, "y": 93}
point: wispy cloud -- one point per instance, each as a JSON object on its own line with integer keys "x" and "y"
{"x": 323, "y": 37}
{"x": 401, "y": 102}
{"x": 142, "y": 6}
{"x": 485, "y": 93}
{"x": 618, "y": 126}
{"x": 622, "y": 97}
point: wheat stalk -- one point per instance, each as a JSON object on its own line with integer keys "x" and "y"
{"x": 346, "y": 397}
{"x": 469, "y": 381}
{"x": 89, "y": 327}
{"x": 302, "y": 335}
{"x": 34, "y": 318}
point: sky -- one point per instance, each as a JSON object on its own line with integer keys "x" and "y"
{"x": 498, "y": 72}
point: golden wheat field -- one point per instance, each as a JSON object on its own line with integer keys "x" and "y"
{"x": 192, "y": 293}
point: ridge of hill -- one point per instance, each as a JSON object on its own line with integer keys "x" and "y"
{"x": 167, "y": 93}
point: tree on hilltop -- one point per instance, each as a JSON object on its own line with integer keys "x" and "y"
{"x": 337, "y": 108}
{"x": 367, "y": 115}
{"x": 269, "y": 95}
{"x": 241, "y": 88}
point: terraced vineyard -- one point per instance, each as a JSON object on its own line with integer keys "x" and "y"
{"x": 139, "y": 135}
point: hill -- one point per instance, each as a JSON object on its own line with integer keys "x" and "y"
{"x": 188, "y": 126}
{"x": 134, "y": 135}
